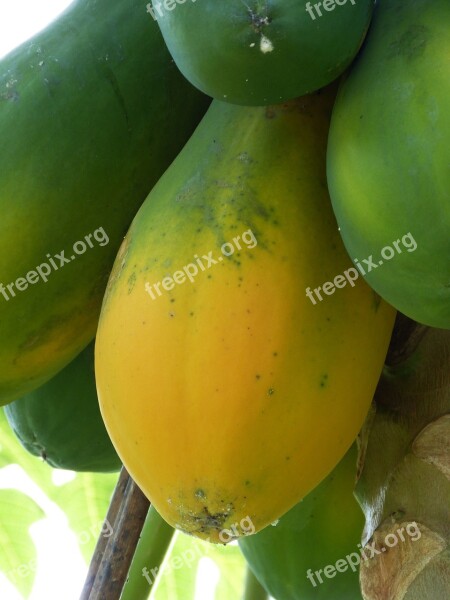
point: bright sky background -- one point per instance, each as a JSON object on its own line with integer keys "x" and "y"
{"x": 20, "y": 19}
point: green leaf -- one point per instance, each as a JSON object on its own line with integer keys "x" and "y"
{"x": 85, "y": 501}
{"x": 18, "y": 556}
{"x": 178, "y": 577}
{"x": 232, "y": 568}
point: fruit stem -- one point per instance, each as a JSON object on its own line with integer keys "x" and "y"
{"x": 109, "y": 565}
{"x": 253, "y": 589}
{"x": 150, "y": 552}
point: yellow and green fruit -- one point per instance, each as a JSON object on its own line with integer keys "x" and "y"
{"x": 229, "y": 394}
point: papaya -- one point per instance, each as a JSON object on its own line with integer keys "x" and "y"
{"x": 388, "y": 158}
{"x": 61, "y": 420}
{"x": 258, "y": 52}
{"x": 323, "y": 530}
{"x": 92, "y": 111}
{"x": 227, "y": 393}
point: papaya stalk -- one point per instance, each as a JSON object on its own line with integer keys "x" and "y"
{"x": 150, "y": 552}
{"x": 404, "y": 471}
{"x": 111, "y": 560}
{"x": 102, "y": 542}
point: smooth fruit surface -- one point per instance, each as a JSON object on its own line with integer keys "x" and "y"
{"x": 92, "y": 111}
{"x": 261, "y": 52}
{"x": 388, "y": 157}
{"x": 325, "y": 527}
{"x": 61, "y": 421}
{"x": 228, "y": 394}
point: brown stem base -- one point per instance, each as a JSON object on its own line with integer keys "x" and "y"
{"x": 113, "y": 555}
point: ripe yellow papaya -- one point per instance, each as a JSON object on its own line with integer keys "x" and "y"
{"x": 226, "y": 391}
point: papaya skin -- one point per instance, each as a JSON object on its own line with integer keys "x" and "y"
{"x": 255, "y": 52}
{"x": 92, "y": 112}
{"x": 233, "y": 396}
{"x": 61, "y": 421}
{"x": 323, "y": 528}
{"x": 388, "y": 155}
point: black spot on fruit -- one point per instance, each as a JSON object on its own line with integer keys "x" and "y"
{"x": 324, "y": 380}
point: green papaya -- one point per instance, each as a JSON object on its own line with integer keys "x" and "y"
{"x": 312, "y": 553}
{"x": 61, "y": 420}
{"x": 92, "y": 112}
{"x": 388, "y": 158}
{"x": 258, "y": 52}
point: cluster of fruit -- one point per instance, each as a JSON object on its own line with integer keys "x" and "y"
{"x": 235, "y": 393}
